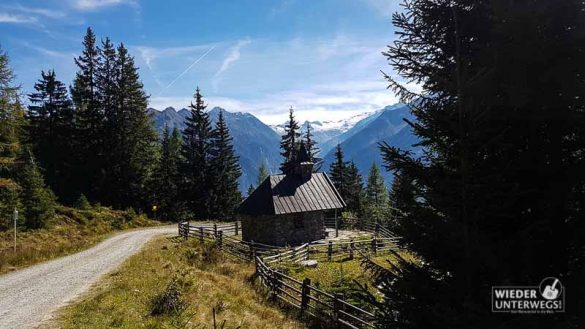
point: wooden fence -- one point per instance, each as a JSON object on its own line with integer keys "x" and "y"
{"x": 359, "y": 224}
{"x": 308, "y": 299}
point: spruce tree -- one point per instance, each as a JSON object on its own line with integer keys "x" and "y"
{"x": 50, "y": 130}
{"x": 262, "y": 173}
{"x": 338, "y": 172}
{"x": 133, "y": 152}
{"x": 355, "y": 190}
{"x": 225, "y": 172}
{"x": 290, "y": 139}
{"x": 89, "y": 122}
{"x": 496, "y": 198}
{"x": 196, "y": 165}
{"x": 38, "y": 200}
{"x": 251, "y": 189}
{"x": 11, "y": 121}
{"x": 312, "y": 148}
{"x": 376, "y": 196}
{"x": 166, "y": 181}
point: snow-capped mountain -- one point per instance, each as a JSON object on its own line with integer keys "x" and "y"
{"x": 325, "y": 131}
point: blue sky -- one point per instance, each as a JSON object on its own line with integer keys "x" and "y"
{"x": 321, "y": 57}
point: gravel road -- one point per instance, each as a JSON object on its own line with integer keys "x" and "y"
{"x": 29, "y": 296}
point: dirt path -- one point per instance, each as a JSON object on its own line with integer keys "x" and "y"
{"x": 30, "y": 295}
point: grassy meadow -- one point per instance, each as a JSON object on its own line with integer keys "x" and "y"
{"x": 173, "y": 283}
{"x": 71, "y": 230}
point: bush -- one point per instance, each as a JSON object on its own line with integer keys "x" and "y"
{"x": 82, "y": 203}
{"x": 169, "y": 301}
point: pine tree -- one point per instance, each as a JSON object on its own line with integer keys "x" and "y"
{"x": 251, "y": 189}
{"x": 376, "y": 196}
{"x": 338, "y": 172}
{"x": 312, "y": 148}
{"x": 89, "y": 122}
{"x": 196, "y": 166}
{"x": 496, "y": 198}
{"x": 225, "y": 172}
{"x": 262, "y": 174}
{"x": 11, "y": 115}
{"x": 133, "y": 152}
{"x": 355, "y": 190}
{"x": 38, "y": 200}
{"x": 50, "y": 129}
{"x": 166, "y": 178}
{"x": 290, "y": 139}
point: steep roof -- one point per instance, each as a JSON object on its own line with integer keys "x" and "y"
{"x": 288, "y": 194}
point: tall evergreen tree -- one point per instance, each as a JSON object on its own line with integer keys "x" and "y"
{"x": 355, "y": 190}
{"x": 166, "y": 180}
{"x": 37, "y": 199}
{"x": 225, "y": 172}
{"x": 196, "y": 165}
{"x": 133, "y": 153}
{"x": 251, "y": 189}
{"x": 312, "y": 148}
{"x": 11, "y": 115}
{"x": 376, "y": 196}
{"x": 290, "y": 139}
{"x": 338, "y": 172}
{"x": 50, "y": 130}
{"x": 262, "y": 174}
{"x": 89, "y": 121}
{"x": 497, "y": 198}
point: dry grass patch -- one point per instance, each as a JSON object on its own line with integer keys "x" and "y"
{"x": 70, "y": 231}
{"x": 176, "y": 284}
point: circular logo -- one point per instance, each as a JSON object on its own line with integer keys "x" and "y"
{"x": 551, "y": 288}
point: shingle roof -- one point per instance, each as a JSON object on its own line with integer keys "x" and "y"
{"x": 287, "y": 194}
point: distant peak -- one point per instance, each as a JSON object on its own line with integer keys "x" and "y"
{"x": 168, "y": 109}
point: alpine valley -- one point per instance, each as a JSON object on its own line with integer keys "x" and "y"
{"x": 256, "y": 142}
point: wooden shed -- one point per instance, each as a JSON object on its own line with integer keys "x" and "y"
{"x": 288, "y": 209}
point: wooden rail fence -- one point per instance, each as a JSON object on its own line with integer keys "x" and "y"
{"x": 308, "y": 299}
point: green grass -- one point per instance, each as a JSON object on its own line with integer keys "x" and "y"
{"x": 204, "y": 279}
{"x": 71, "y": 230}
{"x": 342, "y": 275}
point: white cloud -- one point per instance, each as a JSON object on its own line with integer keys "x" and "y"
{"x": 232, "y": 57}
{"x": 16, "y": 19}
{"x": 50, "y": 13}
{"x": 150, "y": 54}
{"x": 90, "y": 5}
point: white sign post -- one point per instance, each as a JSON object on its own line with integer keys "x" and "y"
{"x": 15, "y": 220}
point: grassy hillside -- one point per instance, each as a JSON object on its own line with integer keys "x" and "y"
{"x": 176, "y": 284}
{"x": 71, "y": 230}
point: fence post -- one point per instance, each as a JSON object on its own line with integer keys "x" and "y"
{"x": 201, "y": 234}
{"x": 237, "y": 228}
{"x": 329, "y": 250}
{"x": 377, "y": 229}
{"x": 308, "y": 251}
{"x": 215, "y": 231}
{"x": 336, "y": 225}
{"x": 336, "y": 307}
{"x": 251, "y": 245}
{"x": 351, "y": 247}
{"x": 305, "y": 292}
{"x": 275, "y": 284}
{"x": 220, "y": 238}
{"x": 374, "y": 244}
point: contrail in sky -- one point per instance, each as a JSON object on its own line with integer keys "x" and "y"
{"x": 187, "y": 69}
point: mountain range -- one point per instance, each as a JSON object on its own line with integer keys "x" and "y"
{"x": 256, "y": 142}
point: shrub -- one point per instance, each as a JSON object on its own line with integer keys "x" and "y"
{"x": 169, "y": 301}
{"x": 82, "y": 203}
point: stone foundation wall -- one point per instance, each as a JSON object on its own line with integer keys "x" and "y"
{"x": 282, "y": 230}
